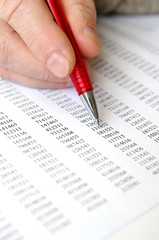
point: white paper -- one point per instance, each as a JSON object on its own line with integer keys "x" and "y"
{"x": 63, "y": 177}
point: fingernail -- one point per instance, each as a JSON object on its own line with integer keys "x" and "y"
{"x": 58, "y": 65}
{"x": 90, "y": 33}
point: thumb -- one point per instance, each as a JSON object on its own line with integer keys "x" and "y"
{"x": 81, "y": 15}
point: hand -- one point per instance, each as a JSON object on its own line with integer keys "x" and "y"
{"x": 33, "y": 49}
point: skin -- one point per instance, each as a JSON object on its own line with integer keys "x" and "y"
{"x": 34, "y": 51}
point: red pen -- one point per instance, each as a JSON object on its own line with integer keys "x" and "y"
{"x": 79, "y": 76}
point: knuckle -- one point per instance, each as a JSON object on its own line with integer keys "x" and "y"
{"x": 86, "y": 9}
{"x": 84, "y": 5}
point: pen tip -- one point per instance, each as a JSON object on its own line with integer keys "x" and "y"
{"x": 98, "y": 123}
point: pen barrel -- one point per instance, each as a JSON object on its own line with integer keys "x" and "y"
{"x": 81, "y": 79}
{"x": 79, "y": 75}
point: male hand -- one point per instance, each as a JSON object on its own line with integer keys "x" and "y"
{"x": 34, "y": 51}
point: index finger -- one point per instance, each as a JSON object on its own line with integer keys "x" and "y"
{"x": 33, "y": 21}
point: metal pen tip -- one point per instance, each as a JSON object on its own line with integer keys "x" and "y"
{"x": 98, "y": 122}
{"x": 88, "y": 100}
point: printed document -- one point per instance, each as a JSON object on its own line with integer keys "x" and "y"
{"x": 62, "y": 176}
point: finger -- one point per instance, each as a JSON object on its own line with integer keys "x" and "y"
{"x": 15, "y": 56}
{"x": 32, "y": 82}
{"x": 81, "y": 15}
{"x": 34, "y": 23}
